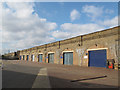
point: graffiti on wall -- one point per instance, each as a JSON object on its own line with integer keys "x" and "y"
{"x": 114, "y": 51}
{"x": 80, "y": 54}
{"x": 58, "y": 53}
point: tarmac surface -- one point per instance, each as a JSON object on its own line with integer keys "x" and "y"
{"x": 27, "y": 74}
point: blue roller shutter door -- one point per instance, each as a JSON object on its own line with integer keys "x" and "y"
{"x": 68, "y": 58}
{"x": 51, "y": 58}
{"x": 40, "y": 57}
{"x": 97, "y": 58}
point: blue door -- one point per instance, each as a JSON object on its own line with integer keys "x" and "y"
{"x": 20, "y": 57}
{"x": 51, "y": 58}
{"x": 68, "y": 58}
{"x": 97, "y": 58}
{"x": 40, "y": 58}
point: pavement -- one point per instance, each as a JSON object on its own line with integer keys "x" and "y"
{"x": 27, "y": 74}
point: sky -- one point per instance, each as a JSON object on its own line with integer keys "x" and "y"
{"x": 28, "y": 24}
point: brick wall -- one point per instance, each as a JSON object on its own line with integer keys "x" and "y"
{"x": 80, "y": 45}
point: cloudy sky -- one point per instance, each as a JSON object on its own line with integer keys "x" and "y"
{"x": 29, "y": 24}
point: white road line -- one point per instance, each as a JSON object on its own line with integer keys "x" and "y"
{"x": 42, "y": 79}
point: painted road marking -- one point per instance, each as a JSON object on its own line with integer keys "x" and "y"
{"x": 42, "y": 79}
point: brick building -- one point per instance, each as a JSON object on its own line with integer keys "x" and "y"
{"x": 93, "y": 50}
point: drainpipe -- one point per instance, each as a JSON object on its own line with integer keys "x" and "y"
{"x": 81, "y": 40}
{"x": 45, "y": 52}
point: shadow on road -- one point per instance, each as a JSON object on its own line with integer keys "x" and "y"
{"x": 89, "y": 78}
{"x": 64, "y": 83}
{"x": 11, "y": 79}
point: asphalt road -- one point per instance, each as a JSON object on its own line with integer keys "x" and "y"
{"x": 27, "y": 74}
{"x": 18, "y": 76}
